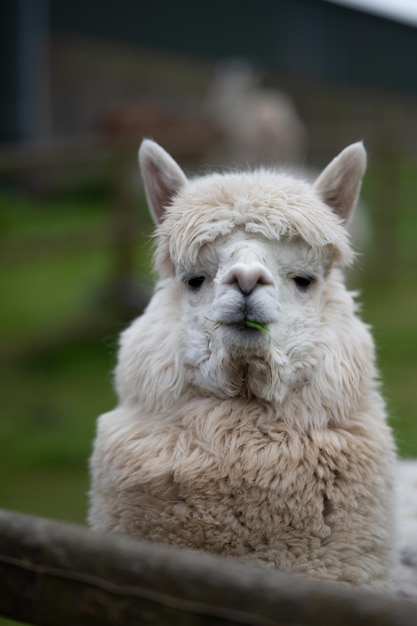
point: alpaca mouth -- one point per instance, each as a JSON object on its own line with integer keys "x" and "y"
{"x": 248, "y": 327}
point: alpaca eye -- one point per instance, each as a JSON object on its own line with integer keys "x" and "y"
{"x": 303, "y": 282}
{"x": 195, "y": 282}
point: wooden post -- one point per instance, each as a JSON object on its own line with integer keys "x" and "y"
{"x": 56, "y": 574}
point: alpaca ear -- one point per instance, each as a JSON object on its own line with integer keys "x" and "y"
{"x": 162, "y": 178}
{"x": 340, "y": 182}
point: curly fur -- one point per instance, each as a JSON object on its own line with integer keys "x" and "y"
{"x": 270, "y": 447}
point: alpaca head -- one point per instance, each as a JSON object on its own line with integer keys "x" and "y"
{"x": 250, "y": 262}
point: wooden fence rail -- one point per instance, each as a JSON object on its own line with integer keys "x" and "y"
{"x": 56, "y": 574}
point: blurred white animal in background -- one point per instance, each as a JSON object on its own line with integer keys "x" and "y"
{"x": 260, "y": 126}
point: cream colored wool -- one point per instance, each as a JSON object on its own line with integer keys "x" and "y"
{"x": 271, "y": 446}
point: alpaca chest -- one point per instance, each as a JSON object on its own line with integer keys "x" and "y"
{"x": 316, "y": 502}
{"x": 251, "y": 510}
{"x": 259, "y": 488}
{"x": 247, "y": 491}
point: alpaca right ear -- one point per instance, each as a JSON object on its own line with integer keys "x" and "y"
{"x": 162, "y": 178}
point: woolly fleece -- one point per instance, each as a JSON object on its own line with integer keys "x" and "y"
{"x": 269, "y": 447}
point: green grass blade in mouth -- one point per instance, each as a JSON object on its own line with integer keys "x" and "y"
{"x": 258, "y": 325}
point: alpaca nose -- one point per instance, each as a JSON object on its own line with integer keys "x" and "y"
{"x": 248, "y": 277}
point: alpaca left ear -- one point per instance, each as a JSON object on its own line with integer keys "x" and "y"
{"x": 162, "y": 178}
{"x": 340, "y": 182}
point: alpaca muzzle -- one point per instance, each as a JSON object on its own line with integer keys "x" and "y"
{"x": 248, "y": 277}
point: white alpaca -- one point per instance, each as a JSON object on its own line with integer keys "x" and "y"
{"x": 249, "y": 421}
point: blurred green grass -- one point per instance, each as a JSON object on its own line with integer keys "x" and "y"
{"x": 52, "y": 397}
